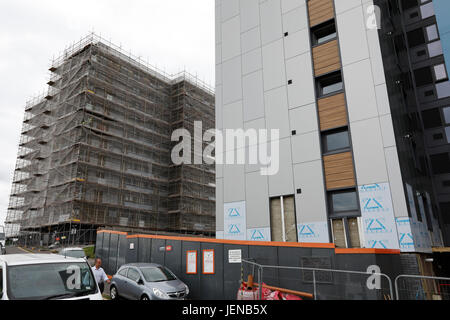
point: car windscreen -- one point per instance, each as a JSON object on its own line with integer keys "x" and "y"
{"x": 157, "y": 274}
{"x": 74, "y": 253}
{"x": 50, "y": 281}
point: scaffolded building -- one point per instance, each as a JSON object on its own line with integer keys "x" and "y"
{"x": 96, "y": 150}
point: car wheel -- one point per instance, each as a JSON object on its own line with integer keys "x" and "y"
{"x": 114, "y": 294}
{"x": 145, "y": 298}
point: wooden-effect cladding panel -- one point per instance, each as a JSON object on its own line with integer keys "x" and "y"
{"x": 326, "y": 58}
{"x": 332, "y": 112}
{"x": 339, "y": 171}
{"x": 320, "y": 11}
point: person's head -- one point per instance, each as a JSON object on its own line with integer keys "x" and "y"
{"x": 98, "y": 263}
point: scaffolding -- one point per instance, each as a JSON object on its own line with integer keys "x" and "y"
{"x": 96, "y": 148}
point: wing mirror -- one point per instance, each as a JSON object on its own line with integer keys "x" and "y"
{"x": 140, "y": 282}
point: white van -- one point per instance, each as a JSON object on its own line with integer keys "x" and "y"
{"x": 46, "y": 277}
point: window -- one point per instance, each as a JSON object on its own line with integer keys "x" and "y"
{"x": 431, "y": 118}
{"x": 133, "y": 274}
{"x": 440, "y": 163}
{"x": 343, "y": 203}
{"x": 344, "y": 214}
{"x": 336, "y": 140}
{"x": 323, "y": 32}
{"x": 445, "y": 208}
{"x": 282, "y": 219}
{"x": 423, "y": 76}
{"x": 408, "y": 4}
{"x": 415, "y": 37}
{"x": 123, "y": 272}
{"x": 329, "y": 84}
{"x": 447, "y": 133}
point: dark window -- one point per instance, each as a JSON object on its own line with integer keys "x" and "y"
{"x": 336, "y": 140}
{"x": 423, "y": 76}
{"x": 408, "y": 4}
{"x": 421, "y": 53}
{"x": 431, "y": 118}
{"x": 440, "y": 163}
{"x": 438, "y": 136}
{"x": 323, "y": 32}
{"x": 416, "y": 37}
{"x": 445, "y": 209}
{"x": 343, "y": 203}
{"x": 329, "y": 84}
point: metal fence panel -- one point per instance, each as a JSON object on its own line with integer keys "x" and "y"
{"x": 409, "y": 287}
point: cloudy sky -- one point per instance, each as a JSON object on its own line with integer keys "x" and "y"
{"x": 171, "y": 34}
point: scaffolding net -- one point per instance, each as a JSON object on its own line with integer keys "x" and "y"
{"x": 96, "y": 148}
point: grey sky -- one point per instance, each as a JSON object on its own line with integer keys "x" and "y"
{"x": 171, "y": 34}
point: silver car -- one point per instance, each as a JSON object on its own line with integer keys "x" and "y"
{"x": 147, "y": 281}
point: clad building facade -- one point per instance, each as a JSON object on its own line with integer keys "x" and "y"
{"x": 353, "y": 162}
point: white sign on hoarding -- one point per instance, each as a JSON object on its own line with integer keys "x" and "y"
{"x": 234, "y": 256}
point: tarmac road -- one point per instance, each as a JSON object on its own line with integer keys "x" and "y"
{"x": 16, "y": 250}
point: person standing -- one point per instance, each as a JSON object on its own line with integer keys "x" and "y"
{"x": 100, "y": 275}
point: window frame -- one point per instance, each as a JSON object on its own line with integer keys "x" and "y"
{"x": 343, "y": 214}
{"x": 325, "y": 134}
{"x": 325, "y": 26}
{"x": 329, "y": 77}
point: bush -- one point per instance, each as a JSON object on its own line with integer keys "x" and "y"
{"x": 89, "y": 252}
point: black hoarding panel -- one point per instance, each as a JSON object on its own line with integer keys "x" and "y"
{"x": 233, "y": 271}
{"x": 113, "y": 253}
{"x": 211, "y": 280}
{"x": 132, "y": 250}
{"x": 123, "y": 249}
{"x": 173, "y": 255}
{"x": 106, "y": 250}
{"x": 99, "y": 246}
{"x": 158, "y": 251}
{"x": 145, "y": 252}
{"x": 192, "y": 280}
{"x": 266, "y": 256}
{"x": 294, "y": 279}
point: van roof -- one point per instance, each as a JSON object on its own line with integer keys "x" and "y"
{"x": 26, "y": 259}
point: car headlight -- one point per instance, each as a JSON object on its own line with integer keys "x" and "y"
{"x": 187, "y": 290}
{"x": 160, "y": 294}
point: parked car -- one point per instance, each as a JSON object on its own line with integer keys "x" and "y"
{"x": 73, "y": 253}
{"x": 46, "y": 277}
{"x": 54, "y": 245}
{"x": 147, "y": 281}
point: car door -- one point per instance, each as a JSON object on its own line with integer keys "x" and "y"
{"x": 121, "y": 281}
{"x": 134, "y": 290}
